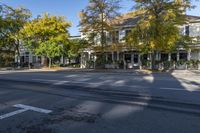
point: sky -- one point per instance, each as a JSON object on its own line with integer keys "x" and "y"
{"x": 71, "y": 8}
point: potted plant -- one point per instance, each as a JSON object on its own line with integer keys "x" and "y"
{"x": 167, "y": 65}
{"x": 181, "y": 64}
{"x": 190, "y": 64}
{"x": 90, "y": 64}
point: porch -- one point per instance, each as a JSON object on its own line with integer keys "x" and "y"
{"x": 135, "y": 60}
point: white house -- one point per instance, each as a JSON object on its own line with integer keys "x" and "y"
{"x": 132, "y": 57}
{"x": 28, "y": 58}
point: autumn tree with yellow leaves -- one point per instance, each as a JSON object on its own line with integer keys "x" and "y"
{"x": 158, "y": 28}
{"x": 97, "y": 17}
{"x": 46, "y": 36}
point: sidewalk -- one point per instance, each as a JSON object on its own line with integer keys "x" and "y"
{"x": 68, "y": 69}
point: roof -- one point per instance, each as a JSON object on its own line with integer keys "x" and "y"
{"x": 192, "y": 18}
{"x": 129, "y": 20}
{"x": 126, "y": 20}
{"x": 74, "y": 37}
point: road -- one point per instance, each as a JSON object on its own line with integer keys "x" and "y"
{"x": 93, "y": 102}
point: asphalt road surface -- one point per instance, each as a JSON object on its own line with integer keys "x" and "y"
{"x": 81, "y": 102}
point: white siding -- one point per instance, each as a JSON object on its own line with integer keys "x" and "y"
{"x": 195, "y": 29}
{"x": 195, "y": 55}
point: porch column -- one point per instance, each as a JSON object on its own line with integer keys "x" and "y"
{"x": 199, "y": 56}
{"x": 61, "y": 60}
{"x": 117, "y": 56}
{"x": 42, "y": 60}
{"x": 106, "y": 56}
{"x": 132, "y": 58}
{"x": 189, "y": 55}
{"x": 158, "y": 56}
{"x": 30, "y": 59}
{"x": 149, "y": 57}
{"x": 178, "y": 55}
{"x": 124, "y": 61}
{"x": 36, "y": 59}
{"x": 139, "y": 61}
{"x": 81, "y": 66}
{"x": 89, "y": 55}
{"x": 169, "y": 56}
{"x": 113, "y": 57}
{"x": 199, "y": 60}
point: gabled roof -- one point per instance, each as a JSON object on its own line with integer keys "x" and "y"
{"x": 192, "y": 18}
{"x": 129, "y": 20}
{"x": 126, "y": 20}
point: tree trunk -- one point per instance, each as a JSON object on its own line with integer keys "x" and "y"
{"x": 17, "y": 44}
{"x": 18, "y": 58}
{"x": 49, "y": 63}
{"x": 102, "y": 35}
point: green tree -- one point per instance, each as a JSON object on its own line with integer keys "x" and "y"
{"x": 46, "y": 36}
{"x": 96, "y": 19}
{"x": 75, "y": 47}
{"x": 158, "y": 28}
{"x": 12, "y": 21}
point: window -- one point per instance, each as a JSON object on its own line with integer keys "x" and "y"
{"x": 183, "y": 56}
{"x": 164, "y": 57}
{"x": 115, "y": 37}
{"x": 108, "y": 37}
{"x": 127, "y": 32}
{"x": 187, "y": 30}
{"x": 136, "y": 58}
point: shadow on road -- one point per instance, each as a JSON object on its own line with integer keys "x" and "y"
{"x": 101, "y": 103}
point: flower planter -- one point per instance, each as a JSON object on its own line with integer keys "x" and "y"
{"x": 109, "y": 66}
{"x": 181, "y": 67}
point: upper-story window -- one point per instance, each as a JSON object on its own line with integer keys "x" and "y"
{"x": 115, "y": 36}
{"x": 108, "y": 37}
{"x": 127, "y": 32}
{"x": 187, "y": 30}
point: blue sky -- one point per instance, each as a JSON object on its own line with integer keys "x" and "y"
{"x": 71, "y": 8}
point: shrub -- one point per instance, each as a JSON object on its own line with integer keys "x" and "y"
{"x": 167, "y": 64}
{"x": 181, "y": 62}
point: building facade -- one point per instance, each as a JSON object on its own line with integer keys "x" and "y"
{"x": 118, "y": 51}
{"x": 29, "y": 59}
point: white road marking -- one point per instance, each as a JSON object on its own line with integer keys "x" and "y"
{"x": 12, "y": 113}
{"x": 40, "y": 110}
{"x": 24, "y": 108}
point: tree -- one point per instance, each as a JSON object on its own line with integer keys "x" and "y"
{"x": 96, "y": 19}
{"x": 158, "y": 28}
{"x": 12, "y": 21}
{"x": 75, "y": 47}
{"x": 46, "y": 36}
